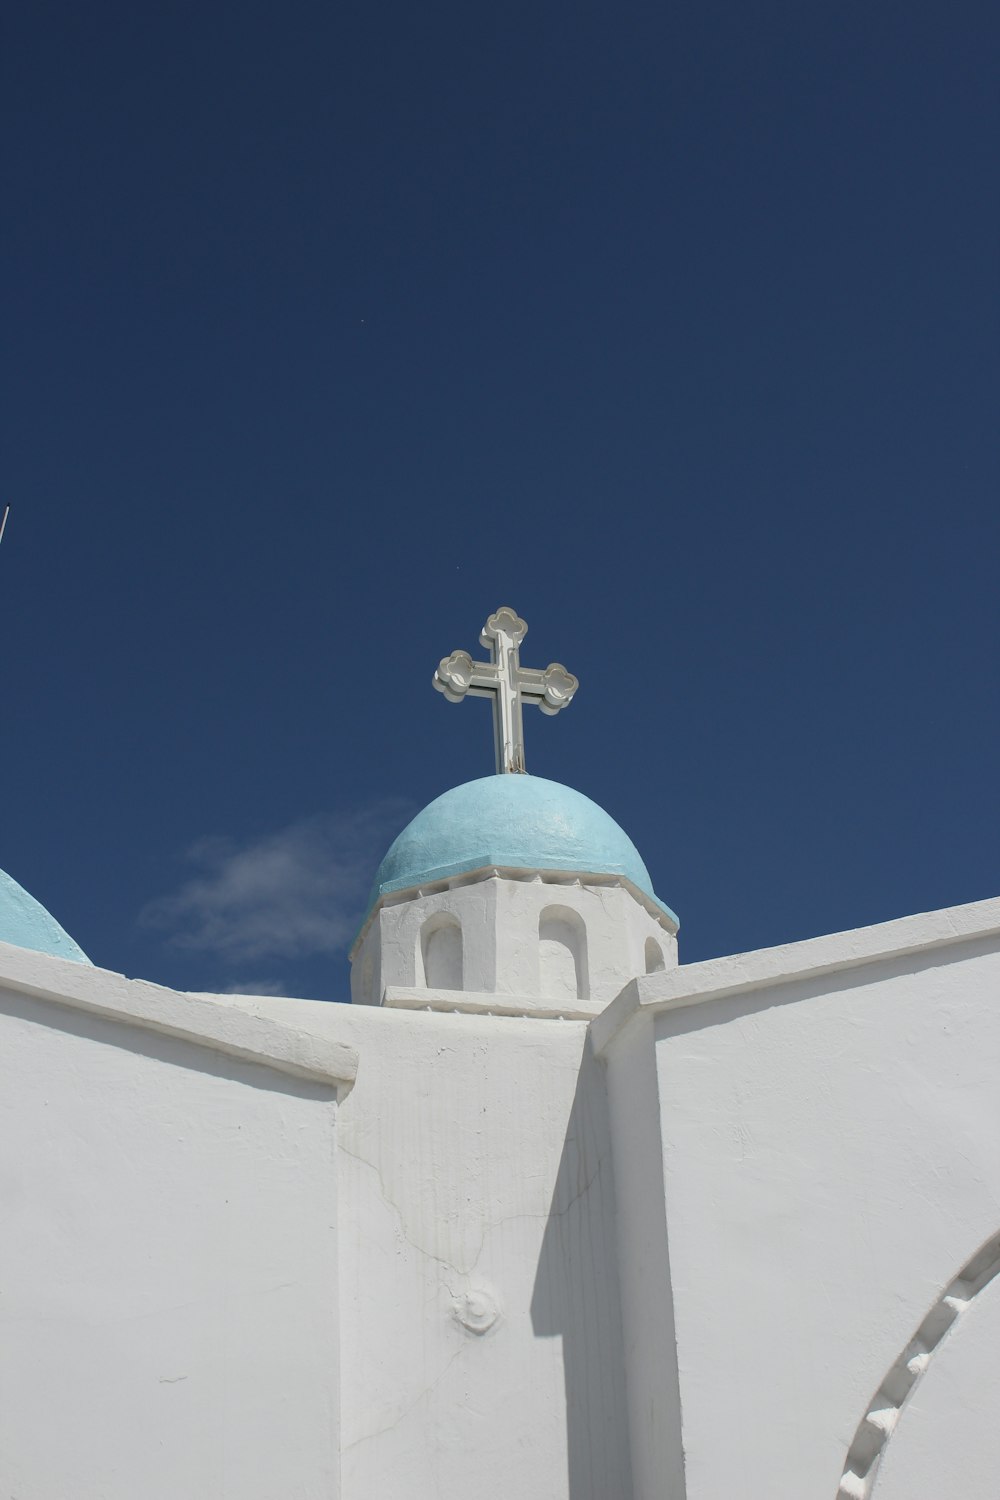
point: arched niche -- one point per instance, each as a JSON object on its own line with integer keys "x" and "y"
{"x": 441, "y": 952}
{"x": 655, "y": 962}
{"x": 562, "y": 954}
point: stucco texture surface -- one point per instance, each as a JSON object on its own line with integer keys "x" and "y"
{"x": 169, "y": 1266}
{"x": 829, "y": 1165}
{"x": 948, "y": 1438}
{"x": 480, "y": 1333}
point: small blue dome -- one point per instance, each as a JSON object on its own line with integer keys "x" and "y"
{"x": 25, "y": 923}
{"x": 515, "y": 822}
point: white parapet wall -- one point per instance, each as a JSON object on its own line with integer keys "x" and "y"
{"x": 735, "y": 1233}
{"x": 813, "y": 1130}
{"x": 168, "y": 1265}
{"x": 481, "y": 1336}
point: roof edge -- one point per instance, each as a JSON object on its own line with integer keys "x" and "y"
{"x": 469, "y": 871}
{"x": 812, "y": 958}
{"x": 203, "y": 1021}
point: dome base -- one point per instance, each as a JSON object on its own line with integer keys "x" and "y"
{"x": 554, "y": 939}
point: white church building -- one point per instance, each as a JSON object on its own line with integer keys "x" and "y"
{"x": 544, "y": 1214}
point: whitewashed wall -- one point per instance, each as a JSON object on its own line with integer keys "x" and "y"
{"x": 947, "y": 1441}
{"x": 679, "y": 1252}
{"x": 481, "y": 1340}
{"x": 168, "y": 1261}
{"x": 828, "y": 1152}
{"x": 536, "y": 941}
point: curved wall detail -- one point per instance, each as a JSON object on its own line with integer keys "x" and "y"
{"x": 562, "y": 954}
{"x": 868, "y": 1447}
{"x": 25, "y": 923}
{"x": 441, "y": 952}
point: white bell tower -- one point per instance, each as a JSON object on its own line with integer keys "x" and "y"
{"x": 510, "y": 894}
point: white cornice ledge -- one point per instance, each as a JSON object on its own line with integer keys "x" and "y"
{"x": 469, "y": 1003}
{"x": 204, "y": 1022}
{"x": 692, "y": 984}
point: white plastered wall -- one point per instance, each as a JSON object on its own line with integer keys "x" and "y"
{"x": 947, "y": 1439}
{"x": 500, "y": 918}
{"x": 804, "y": 1153}
{"x": 168, "y": 1265}
{"x": 827, "y": 1118}
{"x": 481, "y": 1339}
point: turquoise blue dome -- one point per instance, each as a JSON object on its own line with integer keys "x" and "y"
{"x": 25, "y": 923}
{"x": 515, "y": 822}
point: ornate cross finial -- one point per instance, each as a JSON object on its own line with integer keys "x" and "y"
{"x": 509, "y": 684}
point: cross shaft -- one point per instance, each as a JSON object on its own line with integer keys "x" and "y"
{"x": 506, "y": 683}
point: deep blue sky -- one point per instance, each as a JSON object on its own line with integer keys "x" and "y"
{"x": 330, "y": 328}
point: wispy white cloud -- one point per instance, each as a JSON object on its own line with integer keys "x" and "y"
{"x": 290, "y": 894}
{"x": 256, "y": 987}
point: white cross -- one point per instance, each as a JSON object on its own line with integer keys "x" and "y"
{"x": 503, "y": 679}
